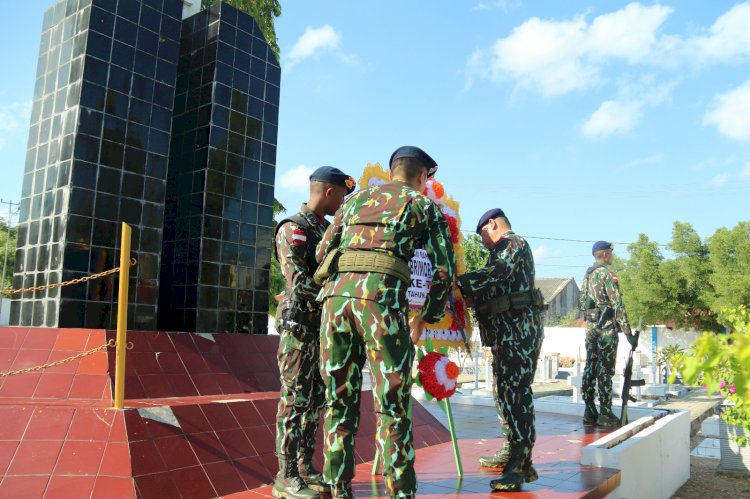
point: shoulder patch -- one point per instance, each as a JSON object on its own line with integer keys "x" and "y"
{"x": 299, "y": 237}
{"x": 614, "y": 276}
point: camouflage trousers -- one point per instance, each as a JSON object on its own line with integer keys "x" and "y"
{"x": 302, "y": 395}
{"x": 514, "y": 365}
{"x": 352, "y": 331}
{"x": 601, "y": 356}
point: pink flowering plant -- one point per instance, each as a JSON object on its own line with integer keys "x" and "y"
{"x": 722, "y": 363}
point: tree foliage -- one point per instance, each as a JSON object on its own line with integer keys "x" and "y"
{"x": 475, "y": 253}
{"x": 263, "y": 11}
{"x": 11, "y": 245}
{"x": 691, "y": 288}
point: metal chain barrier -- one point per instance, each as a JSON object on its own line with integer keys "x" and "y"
{"x": 133, "y": 263}
{"x": 111, "y": 344}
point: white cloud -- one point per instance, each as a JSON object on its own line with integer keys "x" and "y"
{"x": 727, "y": 39}
{"x": 297, "y": 179}
{"x": 613, "y": 117}
{"x": 539, "y": 253}
{"x": 719, "y": 180}
{"x": 312, "y": 42}
{"x": 504, "y": 5}
{"x": 556, "y": 57}
{"x": 745, "y": 173}
{"x": 730, "y": 113}
{"x": 14, "y": 121}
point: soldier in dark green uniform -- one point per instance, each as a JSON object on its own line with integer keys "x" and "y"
{"x": 365, "y": 308}
{"x": 509, "y": 312}
{"x": 298, "y": 322}
{"x": 602, "y": 307}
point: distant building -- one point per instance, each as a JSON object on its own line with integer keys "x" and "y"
{"x": 560, "y": 294}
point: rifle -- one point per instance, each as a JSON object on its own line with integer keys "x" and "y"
{"x": 627, "y": 382}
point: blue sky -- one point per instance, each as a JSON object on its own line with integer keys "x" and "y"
{"x": 582, "y": 120}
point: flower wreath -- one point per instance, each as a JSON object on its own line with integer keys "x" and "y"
{"x": 437, "y": 374}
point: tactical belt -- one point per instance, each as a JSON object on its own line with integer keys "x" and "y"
{"x": 375, "y": 261}
{"x": 503, "y": 303}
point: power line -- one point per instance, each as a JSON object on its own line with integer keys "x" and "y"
{"x": 569, "y": 240}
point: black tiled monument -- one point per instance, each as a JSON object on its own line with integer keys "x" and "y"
{"x": 98, "y": 154}
{"x": 217, "y": 231}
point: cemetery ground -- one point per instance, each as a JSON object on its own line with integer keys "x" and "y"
{"x": 705, "y": 481}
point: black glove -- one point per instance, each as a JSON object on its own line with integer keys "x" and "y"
{"x": 633, "y": 340}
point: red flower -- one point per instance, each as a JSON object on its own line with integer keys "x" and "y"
{"x": 438, "y": 375}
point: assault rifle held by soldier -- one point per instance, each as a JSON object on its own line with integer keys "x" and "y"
{"x": 626, "y": 381}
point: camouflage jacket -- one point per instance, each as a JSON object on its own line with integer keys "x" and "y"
{"x": 510, "y": 269}
{"x": 395, "y": 219}
{"x": 295, "y": 249}
{"x": 600, "y": 290}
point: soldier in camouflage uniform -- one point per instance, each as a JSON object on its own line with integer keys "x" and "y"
{"x": 509, "y": 312}
{"x": 365, "y": 312}
{"x": 302, "y": 394}
{"x": 602, "y": 307}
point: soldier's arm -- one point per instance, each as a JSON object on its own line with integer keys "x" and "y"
{"x": 615, "y": 299}
{"x": 291, "y": 246}
{"x": 439, "y": 247}
{"x": 497, "y": 271}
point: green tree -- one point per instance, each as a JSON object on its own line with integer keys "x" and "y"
{"x": 263, "y": 11}
{"x": 686, "y": 279}
{"x": 641, "y": 283}
{"x": 11, "y": 245}
{"x": 475, "y": 254}
{"x": 729, "y": 256}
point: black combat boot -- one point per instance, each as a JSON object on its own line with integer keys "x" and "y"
{"x": 590, "y": 415}
{"x": 312, "y": 477}
{"x": 517, "y": 471}
{"x": 289, "y": 485}
{"x": 607, "y": 418}
{"x": 498, "y": 459}
{"x": 342, "y": 491}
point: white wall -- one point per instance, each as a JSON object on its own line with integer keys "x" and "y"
{"x": 5, "y": 312}
{"x": 571, "y": 341}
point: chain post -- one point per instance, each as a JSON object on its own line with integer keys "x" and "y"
{"x": 122, "y": 317}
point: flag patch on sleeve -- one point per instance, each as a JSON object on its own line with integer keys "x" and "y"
{"x": 299, "y": 238}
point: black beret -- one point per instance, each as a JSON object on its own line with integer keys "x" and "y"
{"x": 493, "y": 213}
{"x": 334, "y": 176}
{"x": 418, "y": 154}
{"x": 601, "y": 245}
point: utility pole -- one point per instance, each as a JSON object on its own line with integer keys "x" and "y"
{"x": 11, "y": 205}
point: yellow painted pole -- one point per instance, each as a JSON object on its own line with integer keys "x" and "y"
{"x": 122, "y": 317}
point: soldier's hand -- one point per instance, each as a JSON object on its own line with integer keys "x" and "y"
{"x": 416, "y": 325}
{"x": 633, "y": 340}
{"x": 280, "y": 296}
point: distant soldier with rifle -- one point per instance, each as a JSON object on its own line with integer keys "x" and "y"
{"x": 602, "y": 306}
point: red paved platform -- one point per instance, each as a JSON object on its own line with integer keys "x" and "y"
{"x": 557, "y": 457}
{"x": 59, "y": 436}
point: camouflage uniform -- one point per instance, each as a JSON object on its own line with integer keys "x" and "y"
{"x": 365, "y": 318}
{"x": 601, "y": 303}
{"x": 514, "y": 336}
{"x": 298, "y": 321}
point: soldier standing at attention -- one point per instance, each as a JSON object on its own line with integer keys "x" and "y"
{"x": 302, "y": 394}
{"x": 509, "y": 312}
{"x": 602, "y": 307}
{"x": 365, "y": 308}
